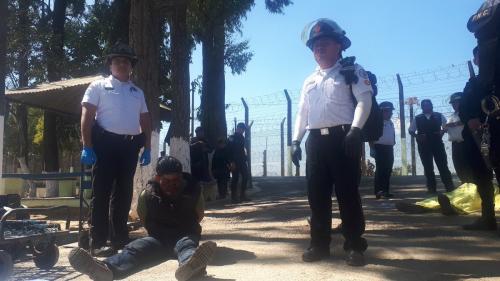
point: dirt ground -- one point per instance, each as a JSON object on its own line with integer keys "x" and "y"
{"x": 264, "y": 240}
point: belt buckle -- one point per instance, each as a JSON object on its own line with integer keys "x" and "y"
{"x": 324, "y": 131}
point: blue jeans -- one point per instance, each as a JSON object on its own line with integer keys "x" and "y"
{"x": 148, "y": 252}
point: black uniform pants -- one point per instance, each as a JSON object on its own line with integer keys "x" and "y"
{"x": 112, "y": 186}
{"x": 462, "y": 166}
{"x": 240, "y": 169}
{"x": 482, "y": 176}
{"x": 328, "y": 165}
{"x": 433, "y": 148}
{"x": 384, "y": 160}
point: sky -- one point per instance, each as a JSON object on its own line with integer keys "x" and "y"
{"x": 388, "y": 37}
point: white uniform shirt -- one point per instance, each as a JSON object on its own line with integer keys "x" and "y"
{"x": 455, "y": 133}
{"x": 326, "y": 100}
{"x": 119, "y": 105}
{"x": 413, "y": 125}
{"x": 389, "y": 134}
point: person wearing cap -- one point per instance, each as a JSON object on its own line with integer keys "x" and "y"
{"x": 238, "y": 159}
{"x": 427, "y": 128}
{"x": 327, "y": 110}
{"x": 199, "y": 150}
{"x": 170, "y": 208}
{"x": 383, "y": 152}
{"x": 115, "y": 125}
{"x": 454, "y": 127}
{"x": 474, "y": 118}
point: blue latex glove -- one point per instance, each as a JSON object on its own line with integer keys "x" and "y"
{"x": 145, "y": 157}
{"x": 88, "y": 156}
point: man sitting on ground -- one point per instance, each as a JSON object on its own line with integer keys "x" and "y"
{"x": 170, "y": 208}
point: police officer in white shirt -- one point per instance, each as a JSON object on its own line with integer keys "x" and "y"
{"x": 454, "y": 127}
{"x": 383, "y": 150}
{"x": 327, "y": 109}
{"x": 427, "y": 128}
{"x": 115, "y": 124}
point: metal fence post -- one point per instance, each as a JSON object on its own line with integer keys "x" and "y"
{"x": 282, "y": 146}
{"x": 404, "y": 160}
{"x": 412, "y": 101}
{"x": 289, "y": 131}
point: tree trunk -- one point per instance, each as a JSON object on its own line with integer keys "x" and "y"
{"x": 3, "y": 70}
{"x": 54, "y": 73}
{"x": 121, "y": 17}
{"x": 145, "y": 19}
{"x": 213, "y": 113}
{"x": 179, "y": 143}
{"x": 21, "y": 109}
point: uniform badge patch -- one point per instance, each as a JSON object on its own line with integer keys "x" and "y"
{"x": 362, "y": 73}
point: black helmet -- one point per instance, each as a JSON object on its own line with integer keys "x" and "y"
{"x": 386, "y": 105}
{"x": 241, "y": 125}
{"x": 456, "y": 97}
{"x": 122, "y": 50}
{"x": 324, "y": 28}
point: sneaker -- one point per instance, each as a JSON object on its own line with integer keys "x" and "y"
{"x": 355, "y": 258}
{"x": 482, "y": 224}
{"x": 103, "y": 252}
{"x": 197, "y": 263}
{"x": 446, "y": 208}
{"x": 315, "y": 254}
{"x": 84, "y": 263}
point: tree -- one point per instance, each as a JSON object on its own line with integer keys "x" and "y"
{"x": 3, "y": 55}
{"x": 214, "y": 22}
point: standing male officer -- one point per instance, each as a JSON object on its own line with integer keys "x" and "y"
{"x": 115, "y": 124}
{"x": 326, "y": 108}
{"x": 427, "y": 129}
{"x": 383, "y": 149}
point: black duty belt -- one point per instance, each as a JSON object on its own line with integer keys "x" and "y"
{"x": 118, "y": 136}
{"x": 340, "y": 129}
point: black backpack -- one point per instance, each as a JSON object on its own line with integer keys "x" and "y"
{"x": 374, "y": 126}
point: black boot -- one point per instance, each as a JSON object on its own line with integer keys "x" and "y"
{"x": 485, "y": 224}
{"x": 313, "y": 254}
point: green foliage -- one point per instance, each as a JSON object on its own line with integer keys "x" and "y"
{"x": 237, "y": 56}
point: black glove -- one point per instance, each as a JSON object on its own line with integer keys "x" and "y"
{"x": 296, "y": 153}
{"x": 352, "y": 143}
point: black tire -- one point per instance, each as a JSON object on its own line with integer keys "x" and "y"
{"x": 45, "y": 256}
{"x": 6, "y": 265}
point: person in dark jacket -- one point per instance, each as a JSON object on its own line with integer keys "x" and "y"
{"x": 199, "y": 150}
{"x": 427, "y": 128}
{"x": 170, "y": 208}
{"x": 220, "y": 167}
{"x": 239, "y": 167}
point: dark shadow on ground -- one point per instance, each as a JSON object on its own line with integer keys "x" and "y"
{"x": 227, "y": 256}
{"x": 55, "y": 273}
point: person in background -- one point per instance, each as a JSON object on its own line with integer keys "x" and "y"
{"x": 221, "y": 167}
{"x": 383, "y": 152}
{"x": 427, "y": 128}
{"x": 239, "y": 167}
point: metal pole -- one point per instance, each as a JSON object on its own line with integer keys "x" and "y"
{"x": 404, "y": 161}
{"x": 192, "y": 108}
{"x": 264, "y": 157}
{"x": 289, "y": 131}
{"x": 472, "y": 73}
{"x": 413, "y": 159}
{"x": 248, "y": 138}
{"x": 282, "y": 146}
{"x": 249, "y": 151}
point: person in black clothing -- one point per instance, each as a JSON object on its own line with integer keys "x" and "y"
{"x": 170, "y": 208}
{"x": 427, "y": 129}
{"x": 473, "y": 118}
{"x": 199, "y": 150}
{"x": 220, "y": 167}
{"x": 238, "y": 158}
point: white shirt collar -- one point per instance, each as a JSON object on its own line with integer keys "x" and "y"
{"x": 111, "y": 80}
{"x": 326, "y": 71}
